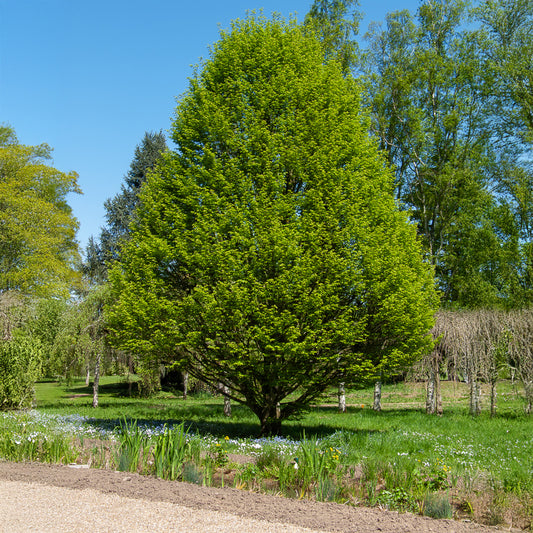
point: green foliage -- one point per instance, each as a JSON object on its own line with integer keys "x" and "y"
{"x": 425, "y": 79}
{"x": 438, "y": 506}
{"x": 452, "y": 109}
{"x": 120, "y": 210}
{"x": 397, "y": 499}
{"x": 20, "y": 367}
{"x": 43, "y": 323}
{"x": 507, "y": 47}
{"x": 38, "y": 249}
{"x": 80, "y": 340}
{"x": 132, "y": 443}
{"x": 269, "y": 254}
{"x": 336, "y": 23}
{"x": 171, "y": 451}
{"x": 218, "y": 454}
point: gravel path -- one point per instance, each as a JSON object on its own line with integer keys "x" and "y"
{"x": 36, "y": 507}
{"x": 52, "y": 498}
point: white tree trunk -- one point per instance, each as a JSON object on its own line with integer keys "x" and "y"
{"x": 475, "y": 391}
{"x": 377, "y": 396}
{"x": 185, "y": 384}
{"x": 433, "y": 392}
{"x": 493, "y": 396}
{"x": 96, "y": 382}
{"x": 342, "y": 398}
{"x": 430, "y": 394}
{"x": 438, "y": 395}
{"x": 227, "y": 401}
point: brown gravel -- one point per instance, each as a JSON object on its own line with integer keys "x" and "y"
{"x": 49, "y": 498}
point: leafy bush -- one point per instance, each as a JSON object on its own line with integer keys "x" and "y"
{"x": 20, "y": 367}
{"x": 397, "y": 499}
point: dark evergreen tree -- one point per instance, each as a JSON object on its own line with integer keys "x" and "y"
{"x": 120, "y": 210}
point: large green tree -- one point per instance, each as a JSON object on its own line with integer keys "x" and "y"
{"x": 269, "y": 254}
{"x": 38, "y": 248}
{"x": 507, "y": 48}
{"x": 428, "y": 88}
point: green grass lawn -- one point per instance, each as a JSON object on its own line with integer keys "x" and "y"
{"x": 402, "y": 407}
{"x": 399, "y": 458}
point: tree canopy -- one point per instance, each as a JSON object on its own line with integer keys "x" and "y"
{"x": 450, "y": 103}
{"x": 268, "y": 253}
{"x": 38, "y": 247}
{"x": 120, "y": 210}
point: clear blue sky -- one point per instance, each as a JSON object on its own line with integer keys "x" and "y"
{"x": 91, "y": 77}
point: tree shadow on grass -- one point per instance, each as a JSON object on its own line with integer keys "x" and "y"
{"x": 203, "y": 414}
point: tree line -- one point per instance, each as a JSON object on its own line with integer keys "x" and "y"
{"x": 322, "y": 199}
{"x": 479, "y": 346}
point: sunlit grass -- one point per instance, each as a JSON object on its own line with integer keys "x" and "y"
{"x": 394, "y": 458}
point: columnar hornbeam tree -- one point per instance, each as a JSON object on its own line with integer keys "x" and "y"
{"x": 269, "y": 254}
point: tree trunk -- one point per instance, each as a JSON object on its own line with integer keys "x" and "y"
{"x": 529, "y": 396}
{"x": 96, "y": 382}
{"x": 430, "y": 394}
{"x": 270, "y": 418}
{"x": 433, "y": 392}
{"x": 377, "y": 396}
{"x": 475, "y": 391}
{"x": 342, "y": 398}
{"x": 87, "y": 375}
{"x": 227, "y": 403}
{"x": 438, "y": 395}
{"x": 130, "y": 372}
{"x": 185, "y": 384}
{"x": 270, "y": 427}
{"x": 430, "y": 390}
{"x": 493, "y": 395}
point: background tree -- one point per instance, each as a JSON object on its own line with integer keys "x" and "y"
{"x": 336, "y": 23}
{"x": 426, "y": 88}
{"x": 20, "y": 367}
{"x": 507, "y": 48}
{"x": 11, "y": 313}
{"x": 81, "y": 341}
{"x": 520, "y": 332}
{"x": 269, "y": 247}
{"x": 38, "y": 250}
{"x": 120, "y": 210}
{"x": 38, "y": 256}
{"x": 120, "y": 213}
{"x": 43, "y": 320}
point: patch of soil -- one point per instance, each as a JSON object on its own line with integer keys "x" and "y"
{"x": 314, "y": 515}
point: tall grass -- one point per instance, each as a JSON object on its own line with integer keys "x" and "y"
{"x": 23, "y": 440}
{"x": 131, "y": 448}
{"x": 171, "y": 450}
